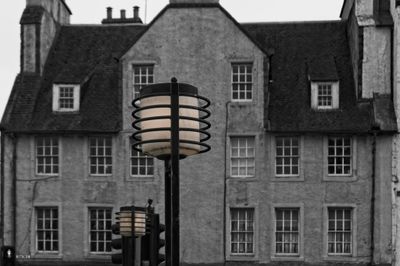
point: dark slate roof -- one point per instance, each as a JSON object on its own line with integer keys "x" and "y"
{"x": 85, "y": 55}
{"x": 88, "y": 55}
{"x": 322, "y": 69}
{"x": 295, "y": 44}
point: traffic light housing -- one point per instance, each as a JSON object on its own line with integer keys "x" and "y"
{"x": 155, "y": 241}
{"x": 8, "y": 255}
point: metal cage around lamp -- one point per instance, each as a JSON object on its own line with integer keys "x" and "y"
{"x": 152, "y": 120}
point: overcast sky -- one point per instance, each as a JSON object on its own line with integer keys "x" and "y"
{"x": 93, "y": 11}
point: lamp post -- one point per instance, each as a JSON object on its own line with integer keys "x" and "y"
{"x": 131, "y": 223}
{"x": 170, "y": 122}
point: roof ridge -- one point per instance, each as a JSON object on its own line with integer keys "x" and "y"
{"x": 294, "y": 22}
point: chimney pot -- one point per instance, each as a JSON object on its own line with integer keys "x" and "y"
{"x": 123, "y": 14}
{"x": 109, "y": 12}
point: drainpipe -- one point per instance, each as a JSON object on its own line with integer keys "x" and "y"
{"x": 373, "y": 179}
{"x": 225, "y": 178}
{"x": 14, "y": 189}
{"x": 2, "y": 130}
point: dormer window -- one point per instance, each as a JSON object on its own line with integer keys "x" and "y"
{"x": 325, "y": 95}
{"x": 324, "y": 80}
{"x": 66, "y": 98}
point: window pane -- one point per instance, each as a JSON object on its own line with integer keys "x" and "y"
{"x": 339, "y": 231}
{"x": 46, "y": 229}
{"x": 242, "y": 155}
{"x": 286, "y": 228}
{"x": 100, "y": 229}
{"x": 242, "y": 81}
{"x": 242, "y": 230}
{"x": 100, "y": 155}
{"x": 286, "y": 160}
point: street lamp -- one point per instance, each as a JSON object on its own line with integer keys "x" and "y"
{"x": 170, "y": 123}
{"x": 132, "y": 221}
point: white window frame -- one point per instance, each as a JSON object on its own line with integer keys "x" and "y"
{"x": 315, "y": 93}
{"x": 284, "y": 156}
{"x": 140, "y": 156}
{"x": 246, "y": 83}
{"x": 51, "y": 156}
{"x": 342, "y": 156}
{"x": 229, "y": 246}
{"x": 288, "y": 256}
{"x": 56, "y": 97}
{"x": 98, "y": 156}
{"x": 149, "y": 77}
{"x": 352, "y": 176}
{"x": 58, "y": 230}
{"x": 292, "y": 232}
{"x": 342, "y": 256}
{"x": 246, "y": 157}
{"x": 104, "y": 231}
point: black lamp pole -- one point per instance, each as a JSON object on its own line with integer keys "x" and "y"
{"x": 174, "y": 173}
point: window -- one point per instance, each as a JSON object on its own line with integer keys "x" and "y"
{"x": 47, "y": 156}
{"x": 242, "y": 81}
{"x": 141, "y": 164}
{"x": 287, "y": 231}
{"x": 66, "y": 98}
{"x": 339, "y": 231}
{"x": 287, "y": 156}
{"x": 100, "y": 230}
{"x": 339, "y": 156}
{"x": 142, "y": 76}
{"x": 325, "y": 95}
{"x": 242, "y": 231}
{"x": 47, "y": 229}
{"x": 242, "y": 156}
{"x": 100, "y": 155}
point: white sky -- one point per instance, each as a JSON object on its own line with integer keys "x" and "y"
{"x": 93, "y": 11}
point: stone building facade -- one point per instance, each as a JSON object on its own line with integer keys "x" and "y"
{"x": 302, "y": 156}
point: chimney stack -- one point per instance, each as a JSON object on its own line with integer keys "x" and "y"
{"x": 109, "y": 12}
{"x": 136, "y": 18}
{"x": 123, "y": 19}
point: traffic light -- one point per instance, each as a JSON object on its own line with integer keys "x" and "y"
{"x": 156, "y": 242}
{"x": 8, "y": 255}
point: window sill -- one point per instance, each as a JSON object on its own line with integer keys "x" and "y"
{"x": 47, "y": 256}
{"x": 343, "y": 178}
{"x": 242, "y": 178}
{"x": 140, "y": 179}
{"x": 249, "y": 257}
{"x": 287, "y": 258}
{"x": 288, "y": 178}
{"x": 99, "y": 178}
{"x": 241, "y": 102}
{"x": 98, "y": 256}
{"x": 341, "y": 258}
{"x": 63, "y": 112}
